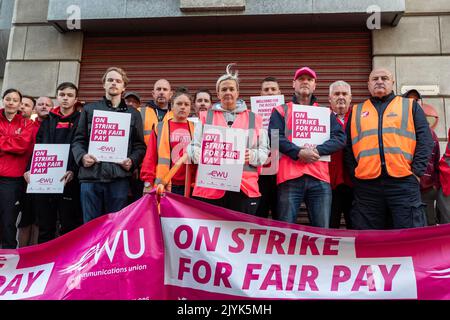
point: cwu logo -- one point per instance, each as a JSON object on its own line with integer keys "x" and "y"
{"x": 45, "y": 181}
{"x": 107, "y": 149}
{"x": 218, "y": 174}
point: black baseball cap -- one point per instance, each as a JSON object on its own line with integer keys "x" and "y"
{"x": 407, "y": 93}
{"x": 132, "y": 94}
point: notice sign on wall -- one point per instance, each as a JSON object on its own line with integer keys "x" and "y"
{"x": 109, "y": 136}
{"x": 48, "y": 166}
{"x": 222, "y": 158}
{"x": 310, "y": 126}
{"x": 264, "y": 105}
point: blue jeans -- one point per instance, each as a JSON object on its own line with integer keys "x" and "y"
{"x": 99, "y": 198}
{"x": 315, "y": 193}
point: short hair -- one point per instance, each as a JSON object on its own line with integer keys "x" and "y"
{"x": 11, "y": 90}
{"x": 122, "y": 72}
{"x": 31, "y": 98}
{"x": 340, "y": 83}
{"x": 202, "y": 91}
{"x": 228, "y": 76}
{"x": 270, "y": 79}
{"x": 67, "y": 85}
{"x": 181, "y": 91}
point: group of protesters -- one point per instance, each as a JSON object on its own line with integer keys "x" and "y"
{"x": 385, "y": 170}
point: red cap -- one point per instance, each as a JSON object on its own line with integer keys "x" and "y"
{"x": 305, "y": 70}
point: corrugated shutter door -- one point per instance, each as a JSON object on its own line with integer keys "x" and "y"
{"x": 196, "y": 61}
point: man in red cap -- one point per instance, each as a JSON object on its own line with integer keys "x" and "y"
{"x": 301, "y": 176}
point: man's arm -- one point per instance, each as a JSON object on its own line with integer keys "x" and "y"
{"x": 80, "y": 142}
{"x": 337, "y": 138}
{"x": 424, "y": 141}
{"x": 286, "y": 147}
{"x": 138, "y": 146}
{"x": 349, "y": 157}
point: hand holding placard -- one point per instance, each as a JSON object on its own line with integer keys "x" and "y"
{"x": 308, "y": 155}
{"x": 126, "y": 164}
{"x": 88, "y": 160}
{"x": 67, "y": 177}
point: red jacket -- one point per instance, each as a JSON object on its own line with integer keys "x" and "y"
{"x": 338, "y": 172}
{"x": 431, "y": 177}
{"x": 444, "y": 169}
{"x": 15, "y": 140}
{"x": 36, "y": 125}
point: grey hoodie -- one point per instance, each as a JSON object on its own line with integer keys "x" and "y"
{"x": 258, "y": 154}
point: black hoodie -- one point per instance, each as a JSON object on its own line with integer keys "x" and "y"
{"x": 59, "y": 129}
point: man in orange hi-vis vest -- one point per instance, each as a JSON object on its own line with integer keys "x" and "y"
{"x": 388, "y": 148}
{"x": 157, "y": 109}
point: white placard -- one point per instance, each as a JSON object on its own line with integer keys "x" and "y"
{"x": 310, "y": 126}
{"x": 193, "y": 119}
{"x": 222, "y": 158}
{"x": 428, "y": 90}
{"x": 109, "y": 135}
{"x": 48, "y": 166}
{"x": 264, "y": 105}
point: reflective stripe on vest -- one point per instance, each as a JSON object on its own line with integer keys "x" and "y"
{"x": 251, "y": 133}
{"x": 402, "y": 131}
{"x": 399, "y": 139}
{"x": 150, "y": 120}
{"x": 287, "y": 131}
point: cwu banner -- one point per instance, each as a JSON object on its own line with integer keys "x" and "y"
{"x": 215, "y": 253}
{"x": 198, "y": 251}
{"x": 118, "y": 256}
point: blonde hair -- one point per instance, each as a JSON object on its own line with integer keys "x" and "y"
{"x": 228, "y": 76}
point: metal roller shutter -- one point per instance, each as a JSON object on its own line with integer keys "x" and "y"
{"x": 196, "y": 61}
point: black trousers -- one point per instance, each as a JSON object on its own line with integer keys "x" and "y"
{"x": 63, "y": 208}
{"x": 11, "y": 193}
{"x": 237, "y": 201}
{"x": 387, "y": 203}
{"x": 341, "y": 204}
{"x": 136, "y": 187}
{"x": 268, "y": 200}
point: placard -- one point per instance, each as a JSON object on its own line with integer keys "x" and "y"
{"x": 310, "y": 126}
{"x": 109, "y": 136}
{"x": 48, "y": 166}
{"x": 222, "y": 158}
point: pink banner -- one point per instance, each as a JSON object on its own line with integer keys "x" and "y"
{"x": 116, "y": 256}
{"x": 214, "y": 253}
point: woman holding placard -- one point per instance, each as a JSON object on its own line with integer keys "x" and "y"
{"x": 167, "y": 144}
{"x": 15, "y": 140}
{"x": 232, "y": 113}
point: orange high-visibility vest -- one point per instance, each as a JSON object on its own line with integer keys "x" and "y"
{"x": 150, "y": 120}
{"x": 289, "y": 169}
{"x": 244, "y": 120}
{"x": 398, "y": 136}
{"x": 164, "y": 150}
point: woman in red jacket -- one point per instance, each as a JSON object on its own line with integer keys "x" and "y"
{"x": 15, "y": 140}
